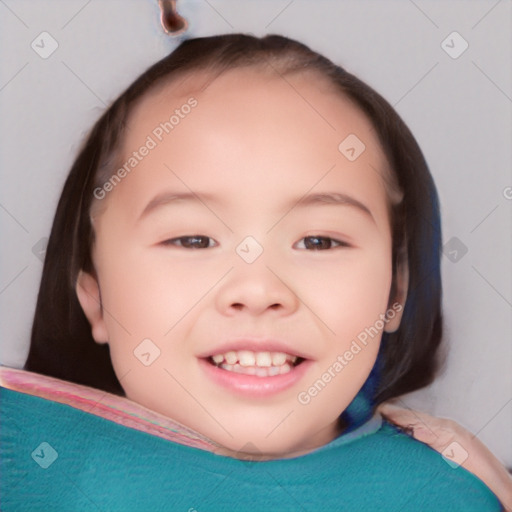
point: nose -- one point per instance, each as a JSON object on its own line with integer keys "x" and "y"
{"x": 256, "y": 289}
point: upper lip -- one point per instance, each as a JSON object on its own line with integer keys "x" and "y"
{"x": 256, "y": 345}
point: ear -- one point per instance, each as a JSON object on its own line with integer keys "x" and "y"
{"x": 398, "y": 296}
{"x": 88, "y": 293}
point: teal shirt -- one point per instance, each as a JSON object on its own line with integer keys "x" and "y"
{"x": 101, "y": 465}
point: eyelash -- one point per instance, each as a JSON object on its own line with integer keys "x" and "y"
{"x": 172, "y": 241}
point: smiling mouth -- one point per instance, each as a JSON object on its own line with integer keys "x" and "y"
{"x": 259, "y": 364}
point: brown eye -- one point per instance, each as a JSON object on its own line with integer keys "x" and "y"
{"x": 190, "y": 242}
{"x": 321, "y": 243}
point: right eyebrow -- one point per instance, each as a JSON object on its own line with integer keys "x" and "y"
{"x": 167, "y": 198}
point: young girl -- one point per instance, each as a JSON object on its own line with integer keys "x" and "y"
{"x": 248, "y": 244}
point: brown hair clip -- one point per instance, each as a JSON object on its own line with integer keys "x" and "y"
{"x": 172, "y": 23}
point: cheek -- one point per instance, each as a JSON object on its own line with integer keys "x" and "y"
{"x": 350, "y": 294}
{"x": 357, "y": 295}
{"x": 149, "y": 295}
{"x": 145, "y": 299}
{"x": 335, "y": 385}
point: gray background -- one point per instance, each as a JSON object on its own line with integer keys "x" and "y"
{"x": 459, "y": 109}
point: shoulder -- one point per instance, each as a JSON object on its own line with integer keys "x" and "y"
{"x": 423, "y": 474}
{"x": 384, "y": 467}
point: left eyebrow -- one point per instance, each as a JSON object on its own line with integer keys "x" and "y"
{"x": 317, "y": 199}
{"x": 333, "y": 198}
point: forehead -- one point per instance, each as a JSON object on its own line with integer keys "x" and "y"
{"x": 251, "y": 133}
{"x": 249, "y": 94}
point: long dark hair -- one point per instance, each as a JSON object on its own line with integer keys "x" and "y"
{"x": 62, "y": 344}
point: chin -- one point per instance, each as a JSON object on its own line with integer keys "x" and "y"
{"x": 260, "y": 442}
{"x": 257, "y": 449}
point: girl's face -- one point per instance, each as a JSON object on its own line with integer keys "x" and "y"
{"x": 214, "y": 280}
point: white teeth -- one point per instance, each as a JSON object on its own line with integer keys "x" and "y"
{"x": 284, "y": 369}
{"x": 246, "y": 358}
{"x": 273, "y": 371}
{"x": 261, "y": 372}
{"x": 231, "y": 357}
{"x": 278, "y": 358}
{"x": 261, "y": 364}
{"x": 254, "y": 370}
{"x": 263, "y": 359}
{"x": 218, "y": 358}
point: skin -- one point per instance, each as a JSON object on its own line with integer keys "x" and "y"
{"x": 257, "y": 145}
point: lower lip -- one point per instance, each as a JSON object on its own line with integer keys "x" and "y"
{"x": 250, "y": 385}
